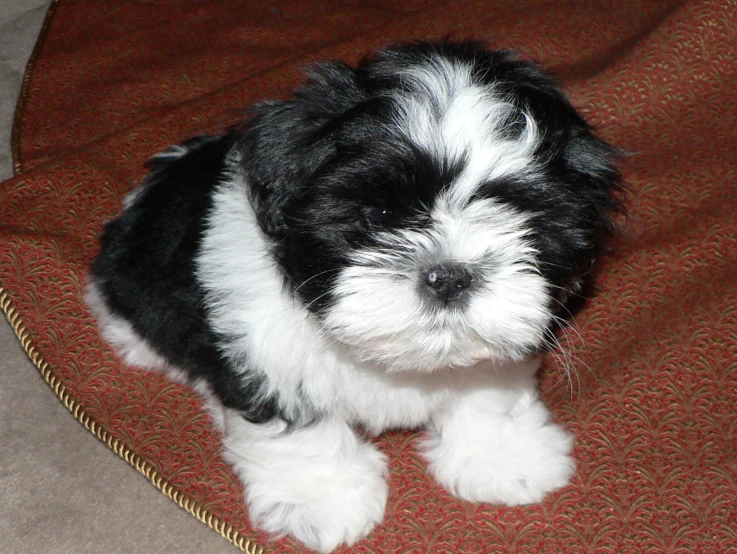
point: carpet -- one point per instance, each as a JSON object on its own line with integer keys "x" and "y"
{"x": 655, "y": 350}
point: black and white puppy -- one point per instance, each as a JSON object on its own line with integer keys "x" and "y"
{"x": 389, "y": 248}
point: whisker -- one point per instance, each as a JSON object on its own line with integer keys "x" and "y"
{"x": 560, "y": 356}
{"x": 569, "y": 291}
{"x": 314, "y": 276}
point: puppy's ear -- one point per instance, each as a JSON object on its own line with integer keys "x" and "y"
{"x": 598, "y": 195}
{"x": 286, "y": 142}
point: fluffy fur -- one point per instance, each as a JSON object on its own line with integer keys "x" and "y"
{"x": 388, "y": 248}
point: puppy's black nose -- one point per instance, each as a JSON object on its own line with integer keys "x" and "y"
{"x": 448, "y": 281}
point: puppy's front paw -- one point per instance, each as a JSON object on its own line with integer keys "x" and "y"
{"x": 512, "y": 458}
{"x": 319, "y": 484}
{"x": 323, "y": 505}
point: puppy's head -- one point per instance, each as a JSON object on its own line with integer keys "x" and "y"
{"x": 434, "y": 206}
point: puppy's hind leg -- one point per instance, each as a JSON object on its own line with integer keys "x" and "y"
{"x": 120, "y": 334}
{"x": 318, "y": 483}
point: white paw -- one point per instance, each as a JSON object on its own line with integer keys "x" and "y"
{"x": 324, "y": 507}
{"x": 511, "y": 458}
{"x": 322, "y": 495}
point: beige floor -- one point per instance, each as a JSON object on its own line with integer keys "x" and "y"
{"x": 61, "y": 490}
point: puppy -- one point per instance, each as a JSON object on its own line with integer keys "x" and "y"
{"x": 389, "y": 248}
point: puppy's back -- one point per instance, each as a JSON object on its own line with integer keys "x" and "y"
{"x": 145, "y": 276}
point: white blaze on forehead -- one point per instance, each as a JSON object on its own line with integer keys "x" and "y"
{"x": 457, "y": 121}
{"x": 435, "y": 83}
{"x": 480, "y": 230}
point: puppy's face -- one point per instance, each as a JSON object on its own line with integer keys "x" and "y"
{"x": 433, "y": 207}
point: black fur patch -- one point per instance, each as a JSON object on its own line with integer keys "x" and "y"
{"x": 146, "y": 271}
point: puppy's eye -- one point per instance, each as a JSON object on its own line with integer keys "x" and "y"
{"x": 373, "y": 217}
